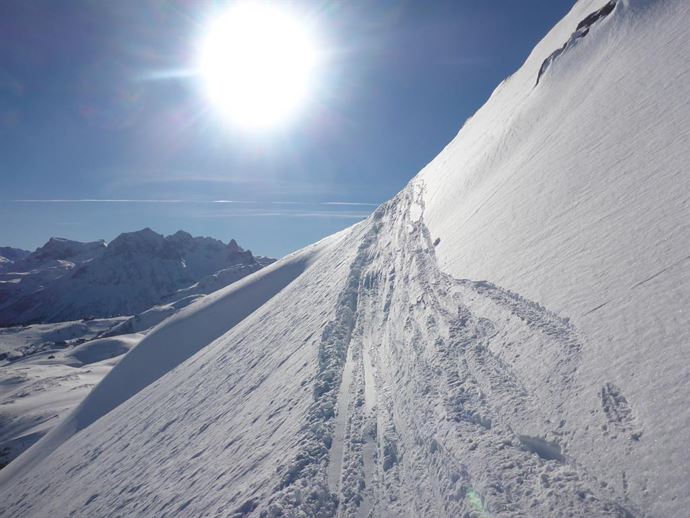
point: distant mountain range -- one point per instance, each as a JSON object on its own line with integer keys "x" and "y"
{"x": 70, "y": 280}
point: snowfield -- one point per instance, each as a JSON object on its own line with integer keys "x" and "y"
{"x": 46, "y": 370}
{"x": 508, "y": 336}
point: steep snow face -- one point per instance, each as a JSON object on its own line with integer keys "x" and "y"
{"x": 135, "y": 271}
{"x": 505, "y": 337}
{"x": 576, "y": 193}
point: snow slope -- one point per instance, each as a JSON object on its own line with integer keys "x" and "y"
{"x": 45, "y": 372}
{"x": 172, "y": 342}
{"x": 506, "y": 337}
{"x": 582, "y": 184}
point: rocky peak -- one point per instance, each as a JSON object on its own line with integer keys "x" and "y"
{"x": 233, "y": 247}
{"x": 144, "y": 241}
{"x": 60, "y": 248}
{"x": 13, "y": 254}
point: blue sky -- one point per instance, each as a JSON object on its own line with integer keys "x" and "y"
{"x": 93, "y": 113}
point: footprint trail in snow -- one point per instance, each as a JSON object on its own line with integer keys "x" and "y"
{"x": 438, "y": 395}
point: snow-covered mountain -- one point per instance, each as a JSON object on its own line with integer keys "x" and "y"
{"x": 60, "y": 249}
{"x": 506, "y": 337}
{"x": 32, "y": 272}
{"x": 67, "y": 280}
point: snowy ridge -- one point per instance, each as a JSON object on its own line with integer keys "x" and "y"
{"x": 377, "y": 374}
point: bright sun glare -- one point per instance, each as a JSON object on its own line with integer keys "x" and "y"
{"x": 257, "y": 62}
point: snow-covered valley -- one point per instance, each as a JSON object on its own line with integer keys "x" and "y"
{"x": 508, "y": 336}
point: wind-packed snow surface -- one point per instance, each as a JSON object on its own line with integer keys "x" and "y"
{"x": 368, "y": 375}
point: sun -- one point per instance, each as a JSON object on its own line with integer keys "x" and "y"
{"x": 257, "y": 62}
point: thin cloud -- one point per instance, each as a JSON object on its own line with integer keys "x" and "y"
{"x": 334, "y": 212}
{"x": 97, "y": 200}
{"x": 285, "y": 214}
{"x": 352, "y": 203}
{"x": 132, "y": 200}
{"x": 232, "y": 201}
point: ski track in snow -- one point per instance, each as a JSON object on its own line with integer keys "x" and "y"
{"x": 431, "y": 418}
